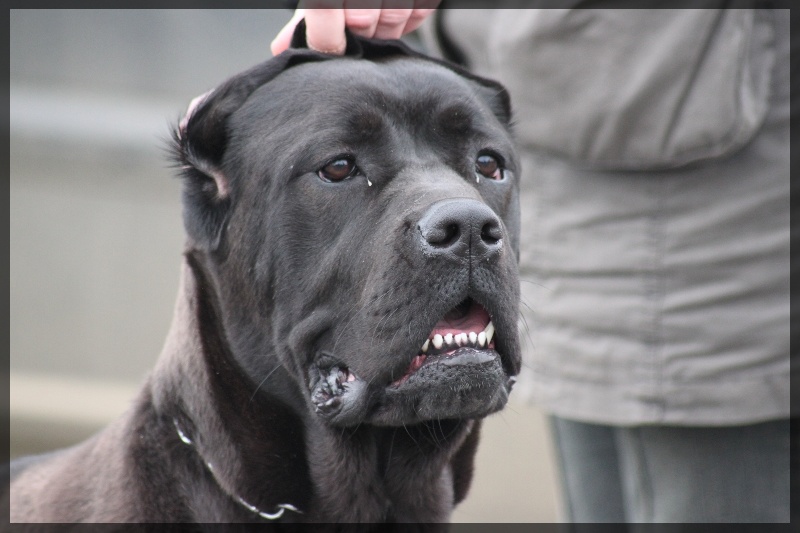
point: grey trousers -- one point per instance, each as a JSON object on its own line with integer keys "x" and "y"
{"x": 649, "y": 474}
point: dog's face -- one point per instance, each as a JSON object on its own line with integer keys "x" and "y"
{"x": 359, "y": 222}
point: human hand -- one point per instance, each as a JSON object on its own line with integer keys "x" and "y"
{"x": 327, "y": 19}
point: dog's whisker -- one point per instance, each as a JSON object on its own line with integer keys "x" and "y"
{"x": 530, "y": 281}
{"x": 526, "y": 305}
{"x": 412, "y": 437}
{"x": 391, "y": 448}
{"x": 526, "y": 329}
{"x": 378, "y": 325}
{"x": 353, "y": 314}
{"x": 264, "y": 381}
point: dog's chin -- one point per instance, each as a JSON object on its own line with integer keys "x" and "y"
{"x": 465, "y": 383}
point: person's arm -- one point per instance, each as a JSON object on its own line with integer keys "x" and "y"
{"x": 325, "y": 26}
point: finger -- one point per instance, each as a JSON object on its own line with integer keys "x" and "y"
{"x": 418, "y": 16}
{"x": 392, "y": 22}
{"x": 362, "y": 21}
{"x": 284, "y": 38}
{"x": 325, "y": 30}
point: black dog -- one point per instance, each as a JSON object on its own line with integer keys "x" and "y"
{"x": 348, "y": 309}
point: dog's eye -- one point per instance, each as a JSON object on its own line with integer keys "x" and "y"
{"x": 488, "y": 166}
{"x": 339, "y": 169}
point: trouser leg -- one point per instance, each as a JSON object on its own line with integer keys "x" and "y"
{"x": 725, "y": 474}
{"x": 589, "y": 471}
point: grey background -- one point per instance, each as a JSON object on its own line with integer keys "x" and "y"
{"x": 96, "y": 233}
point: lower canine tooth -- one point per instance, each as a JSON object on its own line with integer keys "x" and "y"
{"x": 437, "y": 341}
{"x": 425, "y": 346}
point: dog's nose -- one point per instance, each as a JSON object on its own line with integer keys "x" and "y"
{"x": 460, "y": 228}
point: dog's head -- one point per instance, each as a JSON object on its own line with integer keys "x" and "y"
{"x": 357, "y": 218}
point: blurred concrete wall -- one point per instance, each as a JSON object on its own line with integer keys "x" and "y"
{"x": 96, "y": 233}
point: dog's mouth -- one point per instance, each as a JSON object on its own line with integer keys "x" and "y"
{"x": 457, "y": 373}
{"x": 466, "y": 328}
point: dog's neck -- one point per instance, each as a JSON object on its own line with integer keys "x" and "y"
{"x": 249, "y": 441}
{"x": 263, "y": 454}
{"x": 404, "y": 474}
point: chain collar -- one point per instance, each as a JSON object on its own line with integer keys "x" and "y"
{"x": 280, "y": 508}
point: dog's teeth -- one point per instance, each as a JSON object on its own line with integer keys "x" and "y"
{"x": 489, "y": 332}
{"x": 482, "y": 339}
{"x": 437, "y": 341}
{"x": 472, "y": 338}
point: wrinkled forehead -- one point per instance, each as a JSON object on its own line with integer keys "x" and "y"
{"x": 397, "y": 78}
{"x": 364, "y": 96}
{"x": 374, "y": 91}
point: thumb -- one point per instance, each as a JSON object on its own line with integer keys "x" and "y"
{"x": 284, "y": 38}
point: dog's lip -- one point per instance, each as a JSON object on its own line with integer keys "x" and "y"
{"x": 466, "y": 355}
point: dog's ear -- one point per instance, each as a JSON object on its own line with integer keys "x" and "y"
{"x": 206, "y": 189}
{"x": 199, "y": 143}
{"x": 492, "y": 92}
{"x": 496, "y": 96}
